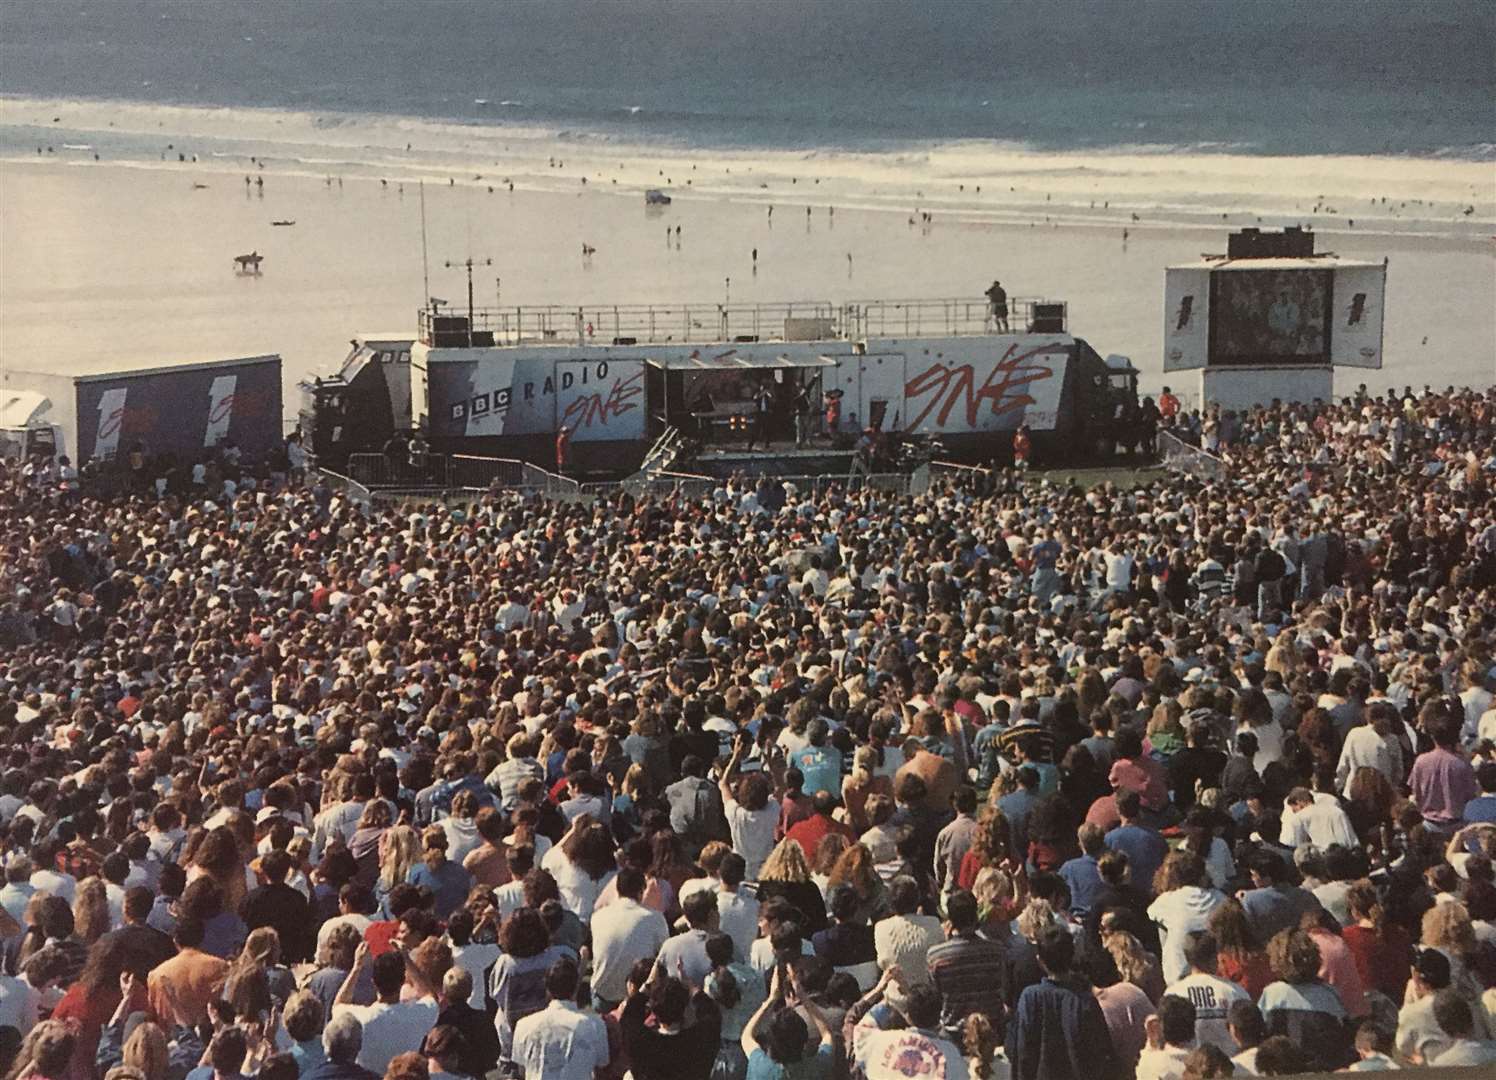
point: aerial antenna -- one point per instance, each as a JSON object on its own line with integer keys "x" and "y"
{"x": 468, "y": 264}
{"x": 425, "y": 261}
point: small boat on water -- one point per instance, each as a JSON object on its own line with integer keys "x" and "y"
{"x": 291, "y": 222}
{"x": 656, "y": 197}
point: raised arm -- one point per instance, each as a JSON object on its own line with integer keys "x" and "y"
{"x": 724, "y": 783}
{"x": 355, "y": 973}
{"x": 750, "y": 1044}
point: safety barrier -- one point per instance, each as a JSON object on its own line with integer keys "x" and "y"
{"x": 1179, "y": 456}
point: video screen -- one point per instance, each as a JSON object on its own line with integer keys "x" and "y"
{"x": 1270, "y": 316}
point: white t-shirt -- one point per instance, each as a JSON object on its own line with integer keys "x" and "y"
{"x": 1212, "y": 997}
{"x": 623, "y": 933}
{"x": 18, "y": 1003}
{"x": 390, "y": 1029}
{"x": 476, "y": 958}
{"x": 1177, "y": 913}
{"x": 752, "y": 833}
{"x": 1118, "y": 571}
{"x": 1165, "y": 1063}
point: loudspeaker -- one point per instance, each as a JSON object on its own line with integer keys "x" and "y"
{"x": 1047, "y": 319}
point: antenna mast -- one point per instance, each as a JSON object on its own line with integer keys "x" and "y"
{"x": 425, "y": 263}
{"x": 468, "y": 264}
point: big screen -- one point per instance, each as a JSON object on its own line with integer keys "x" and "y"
{"x": 1270, "y": 317}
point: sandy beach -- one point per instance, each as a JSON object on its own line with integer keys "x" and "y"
{"x": 121, "y": 264}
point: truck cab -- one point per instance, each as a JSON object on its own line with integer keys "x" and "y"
{"x": 26, "y": 431}
{"x": 362, "y": 405}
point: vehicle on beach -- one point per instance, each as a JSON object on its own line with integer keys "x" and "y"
{"x": 284, "y": 223}
{"x": 656, "y": 197}
{"x": 726, "y": 386}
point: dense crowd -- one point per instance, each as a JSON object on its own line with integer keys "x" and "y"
{"x": 1188, "y": 779}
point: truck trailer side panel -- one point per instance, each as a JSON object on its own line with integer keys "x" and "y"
{"x": 182, "y": 410}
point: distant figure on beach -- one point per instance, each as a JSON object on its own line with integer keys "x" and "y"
{"x": 997, "y": 306}
{"x": 771, "y": 209}
{"x": 755, "y": 258}
{"x": 677, "y": 236}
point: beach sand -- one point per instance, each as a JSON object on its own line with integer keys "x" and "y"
{"x": 113, "y": 265}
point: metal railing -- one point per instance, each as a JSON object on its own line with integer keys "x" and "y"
{"x": 465, "y": 472}
{"x": 696, "y": 488}
{"x": 943, "y": 317}
{"x": 1180, "y": 456}
{"x": 344, "y": 485}
{"x": 604, "y": 324}
{"x": 805, "y": 320}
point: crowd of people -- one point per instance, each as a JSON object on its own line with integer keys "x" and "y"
{"x": 1191, "y": 779}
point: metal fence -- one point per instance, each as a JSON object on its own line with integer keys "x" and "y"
{"x": 806, "y": 320}
{"x": 1180, "y": 456}
{"x": 467, "y": 472}
{"x": 937, "y": 318}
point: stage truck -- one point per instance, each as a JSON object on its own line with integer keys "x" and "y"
{"x": 730, "y": 384}
{"x": 180, "y": 409}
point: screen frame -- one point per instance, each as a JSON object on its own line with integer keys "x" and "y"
{"x": 1218, "y": 358}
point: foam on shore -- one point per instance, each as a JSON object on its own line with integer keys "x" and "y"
{"x": 1128, "y": 186}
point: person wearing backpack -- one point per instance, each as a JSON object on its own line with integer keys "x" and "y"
{"x": 696, "y": 812}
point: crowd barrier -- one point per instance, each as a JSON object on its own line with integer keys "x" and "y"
{"x": 1179, "y": 456}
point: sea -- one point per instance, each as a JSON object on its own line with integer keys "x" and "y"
{"x": 1265, "y": 77}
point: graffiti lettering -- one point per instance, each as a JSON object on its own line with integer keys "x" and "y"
{"x": 940, "y": 388}
{"x": 595, "y": 408}
{"x": 129, "y": 420}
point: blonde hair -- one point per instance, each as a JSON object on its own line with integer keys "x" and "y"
{"x": 146, "y": 1050}
{"x": 1447, "y": 926}
{"x": 434, "y": 846}
{"x": 786, "y": 863}
{"x": 995, "y": 892}
{"x": 262, "y": 948}
{"x": 1133, "y": 962}
{"x": 1035, "y": 916}
{"x": 91, "y": 918}
{"x": 399, "y": 850}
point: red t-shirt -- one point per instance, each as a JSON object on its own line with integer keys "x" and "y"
{"x": 381, "y": 936}
{"x": 1382, "y": 959}
{"x": 809, "y": 833}
{"x": 1252, "y": 972}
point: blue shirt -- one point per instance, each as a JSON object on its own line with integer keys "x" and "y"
{"x": 449, "y": 883}
{"x": 821, "y": 767}
{"x": 816, "y": 1067}
{"x": 1481, "y": 808}
{"x": 1084, "y": 880}
{"x": 1145, "y": 850}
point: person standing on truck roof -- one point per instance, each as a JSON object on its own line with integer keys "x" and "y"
{"x": 997, "y": 306}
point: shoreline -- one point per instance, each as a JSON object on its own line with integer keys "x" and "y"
{"x": 975, "y": 179}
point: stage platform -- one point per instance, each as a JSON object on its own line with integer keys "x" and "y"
{"x": 781, "y": 458}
